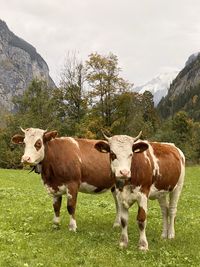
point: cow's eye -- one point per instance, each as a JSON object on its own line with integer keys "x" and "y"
{"x": 113, "y": 155}
{"x": 38, "y": 144}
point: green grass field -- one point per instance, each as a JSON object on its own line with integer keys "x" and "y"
{"x": 27, "y": 237}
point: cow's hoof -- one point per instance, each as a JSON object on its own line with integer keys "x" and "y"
{"x": 56, "y": 220}
{"x": 56, "y": 226}
{"x": 143, "y": 246}
{"x": 164, "y": 236}
{"x": 123, "y": 245}
{"x": 72, "y": 228}
{"x": 171, "y": 236}
{"x": 116, "y": 225}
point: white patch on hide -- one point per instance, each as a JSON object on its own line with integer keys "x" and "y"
{"x": 147, "y": 158}
{"x": 56, "y": 220}
{"x": 49, "y": 189}
{"x": 156, "y": 170}
{"x": 79, "y": 158}
{"x": 61, "y": 191}
{"x": 73, "y": 141}
{"x": 142, "y": 201}
{"x": 87, "y": 188}
{"x": 128, "y": 196}
{"x": 72, "y": 224}
{"x": 155, "y": 193}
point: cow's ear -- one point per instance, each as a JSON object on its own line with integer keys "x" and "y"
{"x": 102, "y": 147}
{"x": 140, "y": 147}
{"x": 49, "y": 135}
{"x": 17, "y": 139}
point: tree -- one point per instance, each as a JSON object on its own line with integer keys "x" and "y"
{"x": 35, "y": 108}
{"x": 182, "y": 126}
{"x": 73, "y": 97}
{"x": 105, "y": 82}
{"x": 149, "y": 112}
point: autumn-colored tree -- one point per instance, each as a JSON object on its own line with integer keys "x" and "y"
{"x": 105, "y": 82}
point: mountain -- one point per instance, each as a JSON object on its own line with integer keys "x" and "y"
{"x": 184, "y": 92}
{"x": 19, "y": 65}
{"x": 158, "y": 86}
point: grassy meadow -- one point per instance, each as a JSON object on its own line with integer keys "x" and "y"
{"x": 27, "y": 237}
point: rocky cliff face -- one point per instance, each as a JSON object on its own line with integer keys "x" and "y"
{"x": 19, "y": 65}
{"x": 184, "y": 93}
{"x": 188, "y": 77}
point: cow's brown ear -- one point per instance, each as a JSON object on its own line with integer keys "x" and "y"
{"x": 17, "y": 139}
{"x": 140, "y": 147}
{"x": 102, "y": 147}
{"x": 49, "y": 135}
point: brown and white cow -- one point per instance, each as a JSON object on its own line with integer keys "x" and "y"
{"x": 68, "y": 165}
{"x": 145, "y": 170}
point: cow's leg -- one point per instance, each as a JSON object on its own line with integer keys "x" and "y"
{"x": 165, "y": 211}
{"x": 124, "y": 225}
{"x": 173, "y": 201}
{"x": 141, "y": 218}
{"x": 117, "y": 219}
{"x": 57, "y": 200}
{"x": 71, "y": 205}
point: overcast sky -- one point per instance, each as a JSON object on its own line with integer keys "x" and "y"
{"x": 149, "y": 37}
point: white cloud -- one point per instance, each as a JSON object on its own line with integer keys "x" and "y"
{"x": 147, "y": 35}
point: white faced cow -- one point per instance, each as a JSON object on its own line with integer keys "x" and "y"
{"x": 145, "y": 170}
{"x": 67, "y": 165}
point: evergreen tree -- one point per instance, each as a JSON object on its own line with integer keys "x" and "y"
{"x": 35, "y": 108}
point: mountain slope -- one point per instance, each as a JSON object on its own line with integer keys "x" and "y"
{"x": 158, "y": 86}
{"x": 184, "y": 92}
{"x": 19, "y": 65}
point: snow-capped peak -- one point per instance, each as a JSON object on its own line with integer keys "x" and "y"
{"x": 158, "y": 86}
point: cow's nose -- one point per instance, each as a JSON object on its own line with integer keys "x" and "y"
{"x": 125, "y": 173}
{"x": 25, "y": 159}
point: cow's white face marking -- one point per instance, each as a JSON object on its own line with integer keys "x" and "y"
{"x": 121, "y": 155}
{"x": 34, "y": 147}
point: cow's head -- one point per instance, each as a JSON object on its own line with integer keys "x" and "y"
{"x": 121, "y": 149}
{"x": 34, "y": 140}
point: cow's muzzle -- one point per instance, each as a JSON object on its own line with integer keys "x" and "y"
{"x": 26, "y": 160}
